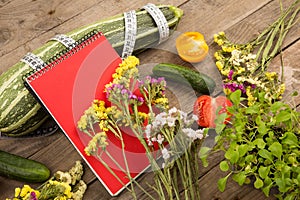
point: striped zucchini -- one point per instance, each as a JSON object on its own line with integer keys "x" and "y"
{"x": 20, "y": 113}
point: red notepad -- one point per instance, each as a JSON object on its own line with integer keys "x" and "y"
{"x": 68, "y": 87}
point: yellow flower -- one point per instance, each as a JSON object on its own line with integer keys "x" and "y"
{"x": 220, "y": 42}
{"x": 270, "y": 75}
{"x": 25, "y": 190}
{"x": 228, "y": 48}
{"x": 82, "y": 123}
{"x": 225, "y": 72}
{"x": 282, "y": 88}
{"x": 222, "y": 33}
{"x": 17, "y": 191}
{"x": 240, "y": 70}
{"x": 220, "y": 65}
{"x": 143, "y": 115}
{"x": 217, "y": 56}
{"x": 251, "y": 99}
{"x": 216, "y": 37}
{"x": 117, "y": 76}
{"x": 227, "y": 91}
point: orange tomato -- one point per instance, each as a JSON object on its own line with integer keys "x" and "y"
{"x": 191, "y": 47}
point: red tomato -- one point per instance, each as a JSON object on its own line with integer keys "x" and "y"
{"x": 206, "y": 107}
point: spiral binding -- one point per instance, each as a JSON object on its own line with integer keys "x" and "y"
{"x": 64, "y": 54}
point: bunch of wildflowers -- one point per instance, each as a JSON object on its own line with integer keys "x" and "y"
{"x": 143, "y": 106}
{"x": 247, "y": 71}
{"x": 242, "y": 71}
{"x": 171, "y": 131}
{"x": 62, "y": 186}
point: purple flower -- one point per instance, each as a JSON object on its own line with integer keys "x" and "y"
{"x": 140, "y": 99}
{"x": 132, "y": 96}
{"x": 124, "y": 91}
{"x": 33, "y": 196}
{"x": 234, "y": 86}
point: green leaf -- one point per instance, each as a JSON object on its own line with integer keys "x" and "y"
{"x": 224, "y": 166}
{"x": 290, "y": 138}
{"x": 283, "y": 116}
{"x": 252, "y": 109}
{"x": 280, "y": 182}
{"x": 263, "y": 171}
{"x": 222, "y": 183}
{"x": 262, "y": 129}
{"x": 220, "y": 125}
{"x": 260, "y": 143}
{"x": 249, "y": 158}
{"x": 232, "y": 155}
{"x": 242, "y": 149}
{"x": 240, "y": 178}
{"x": 235, "y": 97}
{"x": 266, "y": 190}
{"x": 265, "y": 154}
{"x": 276, "y": 106}
{"x": 258, "y": 183}
{"x": 291, "y": 196}
{"x": 276, "y": 149}
{"x": 203, "y": 154}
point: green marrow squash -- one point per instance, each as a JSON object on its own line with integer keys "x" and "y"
{"x": 200, "y": 82}
{"x": 23, "y": 169}
{"x": 20, "y": 114}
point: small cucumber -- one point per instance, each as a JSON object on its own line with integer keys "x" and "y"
{"x": 200, "y": 82}
{"x": 22, "y": 169}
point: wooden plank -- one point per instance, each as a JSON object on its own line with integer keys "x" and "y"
{"x": 25, "y": 20}
{"x": 291, "y": 72}
{"x": 25, "y": 39}
{"x": 209, "y": 189}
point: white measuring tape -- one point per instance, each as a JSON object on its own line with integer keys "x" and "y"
{"x": 160, "y": 21}
{"x": 33, "y": 61}
{"x": 65, "y": 40}
{"x": 130, "y": 33}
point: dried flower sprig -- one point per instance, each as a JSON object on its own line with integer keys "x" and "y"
{"x": 142, "y": 106}
{"x": 62, "y": 186}
{"x": 244, "y": 66}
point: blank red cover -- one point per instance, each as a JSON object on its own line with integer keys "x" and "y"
{"x": 68, "y": 88}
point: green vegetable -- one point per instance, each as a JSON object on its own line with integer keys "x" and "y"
{"x": 20, "y": 113}
{"x": 198, "y": 81}
{"x": 23, "y": 169}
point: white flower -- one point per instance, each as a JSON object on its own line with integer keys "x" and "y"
{"x": 194, "y": 135}
{"x": 149, "y": 142}
{"x": 195, "y": 117}
{"x": 165, "y": 153}
{"x": 148, "y": 130}
{"x": 160, "y": 120}
{"x": 251, "y": 56}
{"x": 160, "y": 138}
{"x": 171, "y": 121}
{"x": 173, "y": 111}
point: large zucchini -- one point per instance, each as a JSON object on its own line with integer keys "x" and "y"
{"x": 20, "y": 113}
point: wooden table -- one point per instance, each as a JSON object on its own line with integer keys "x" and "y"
{"x": 26, "y": 25}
